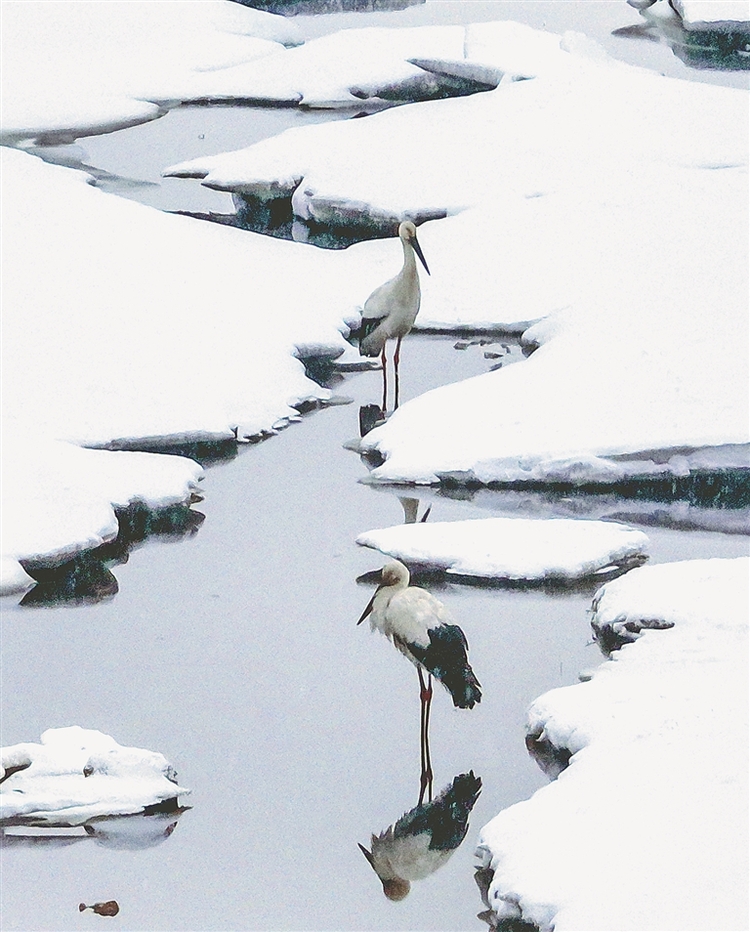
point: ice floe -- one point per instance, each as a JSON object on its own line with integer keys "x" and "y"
{"x": 354, "y": 68}
{"x": 646, "y": 828}
{"x": 76, "y": 69}
{"x": 513, "y": 548}
{"x": 59, "y": 499}
{"x": 708, "y": 14}
{"x": 77, "y": 774}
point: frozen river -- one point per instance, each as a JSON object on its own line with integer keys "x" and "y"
{"x": 235, "y": 651}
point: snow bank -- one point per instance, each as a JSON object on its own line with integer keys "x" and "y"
{"x": 60, "y": 499}
{"x": 144, "y": 326}
{"x": 75, "y": 69}
{"x": 77, "y": 774}
{"x": 647, "y": 826}
{"x": 351, "y": 67}
{"x": 513, "y": 548}
{"x": 702, "y": 14}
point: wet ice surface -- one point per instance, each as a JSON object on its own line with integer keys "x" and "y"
{"x": 236, "y": 655}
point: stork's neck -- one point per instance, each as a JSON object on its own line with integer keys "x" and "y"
{"x": 410, "y": 262}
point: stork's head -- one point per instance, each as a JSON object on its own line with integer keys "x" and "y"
{"x": 394, "y": 574}
{"x": 407, "y": 233}
{"x": 395, "y": 888}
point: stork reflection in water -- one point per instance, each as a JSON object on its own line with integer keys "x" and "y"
{"x": 391, "y": 309}
{"x": 424, "y": 838}
{"x": 422, "y": 628}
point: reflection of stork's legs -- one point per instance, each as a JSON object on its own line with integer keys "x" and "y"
{"x": 425, "y": 696}
{"x": 384, "y": 361}
{"x": 396, "y": 357}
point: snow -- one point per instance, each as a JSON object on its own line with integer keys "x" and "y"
{"x": 78, "y": 69}
{"x": 347, "y": 68}
{"x": 512, "y": 548}
{"x": 77, "y": 774}
{"x": 59, "y": 499}
{"x": 700, "y": 14}
{"x": 75, "y": 69}
{"x": 655, "y": 794}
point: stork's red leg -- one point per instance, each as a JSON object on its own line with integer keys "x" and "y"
{"x": 426, "y": 777}
{"x": 428, "y": 759}
{"x": 396, "y": 357}
{"x": 384, "y": 361}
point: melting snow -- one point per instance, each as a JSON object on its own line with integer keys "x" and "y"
{"x": 77, "y": 69}
{"x": 512, "y": 548}
{"x": 76, "y": 774}
{"x": 647, "y": 827}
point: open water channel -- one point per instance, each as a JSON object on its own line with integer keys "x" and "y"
{"x": 233, "y": 650}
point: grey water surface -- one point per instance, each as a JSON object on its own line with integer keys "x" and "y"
{"x": 235, "y": 652}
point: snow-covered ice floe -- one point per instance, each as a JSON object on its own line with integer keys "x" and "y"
{"x": 702, "y": 15}
{"x": 60, "y": 499}
{"x": 77, "y": 774}
{"x": 77, "y": 69}
{"x": 646, "y": 828}
{"x": 533, "y": 550}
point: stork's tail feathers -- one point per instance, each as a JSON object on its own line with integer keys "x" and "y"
{"x": 463, "y": 687}
{"x": 446, "y": 818}
{"x": 447, "y": 661}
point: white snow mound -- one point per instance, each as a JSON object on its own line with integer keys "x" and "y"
{"x": 651, "y": 813}
{"x": 77, "y": 774}
{"x": 512, "y": 548}
{"x": 75, "y": 69}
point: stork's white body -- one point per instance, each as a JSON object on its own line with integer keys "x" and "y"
{"x": 391, "y": 309}
{"x": 407, "y": 858}
{"x": 396, "y": 303}
{"x": 405, "y": 614}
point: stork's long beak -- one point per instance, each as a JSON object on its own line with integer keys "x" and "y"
{"x": 418, "y": 251}
{"x": 367, "y": 610}
{"x": 368, "y": 855}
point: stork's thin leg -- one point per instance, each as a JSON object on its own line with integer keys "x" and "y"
{"x": 428, "y": 759}
{"x": 396, "y": 357}
{"x": 384, "y": 361}
{"x": 422, "y": 747}
{"x": 425, "y": 698}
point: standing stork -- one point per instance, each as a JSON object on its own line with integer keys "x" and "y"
{"x": 422, "y": 628}
{"x": 391, "y": 309}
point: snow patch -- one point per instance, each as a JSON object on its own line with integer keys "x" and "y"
{"x": 655, "y": 795}
{"x": 513, "y": 548}
{"x": 77, "y": 774}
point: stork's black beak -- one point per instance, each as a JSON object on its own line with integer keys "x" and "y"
{"x": 368, "y": 609}
{"x": 418, "y": 251}
{"x": 367, "y": 854}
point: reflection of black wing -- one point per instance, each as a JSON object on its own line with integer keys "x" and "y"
{"x": 446, "y": 818}
{"x": 446, "y": 659}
